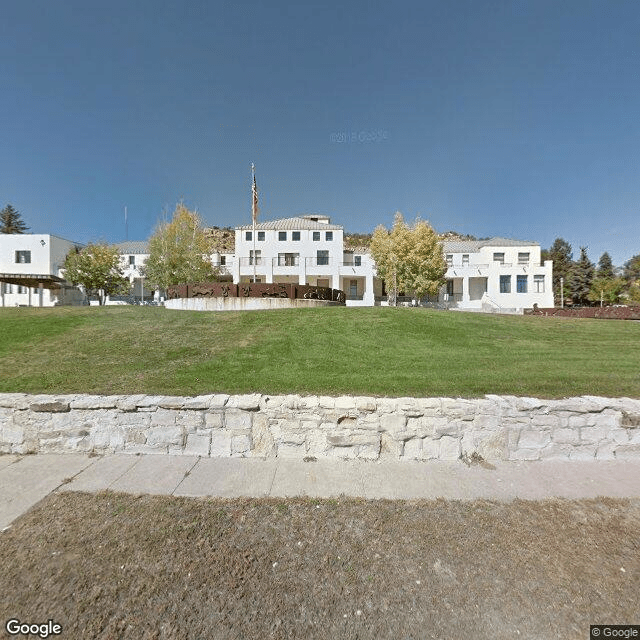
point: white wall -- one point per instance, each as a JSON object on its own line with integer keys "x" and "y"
{"x": 306, "y": 248}
{"x": 47, "y": 258}
{"x": 38, "y": 244}
{"x": 482, "y": 265}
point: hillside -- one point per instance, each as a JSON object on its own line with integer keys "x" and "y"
{"x": 223, "y": 239}
{"x": 336, "y": 350}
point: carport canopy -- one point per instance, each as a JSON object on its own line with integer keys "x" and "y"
{"x": 46, "y": 281}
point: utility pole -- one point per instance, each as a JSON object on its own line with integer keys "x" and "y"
{"x": 562, "y": 293}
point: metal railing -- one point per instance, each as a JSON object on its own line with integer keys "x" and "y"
{"x": 286, "y": 261}
{"x": 442, "y": 301}
{"x": 318, "y": 262}
{"x": 290, "y": 262}
{"x": 486, "y": 296}
{"x": 468, "y": 266}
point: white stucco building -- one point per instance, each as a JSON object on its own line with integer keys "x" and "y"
{"x": 495, "y": 275}
{"x": 498, "y": 274}
{"x": 133, "y": 255}
{"x": 304, "y": 250}
{"x": 31, "y": 271}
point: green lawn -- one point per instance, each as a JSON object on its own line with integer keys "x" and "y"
{"x": 338, "y": 350}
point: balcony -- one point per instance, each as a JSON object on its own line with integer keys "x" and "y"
{"x": 467, "y": 266}
{"x": 286, "y": 261}
{"x": 319, "y": 262}
{"x": 249, "y": 262}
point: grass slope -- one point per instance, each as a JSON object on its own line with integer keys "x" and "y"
{"x": 375, "y": 351}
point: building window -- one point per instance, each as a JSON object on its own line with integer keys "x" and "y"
{"x": 282, "y": 236}
{"x": 132, "y": 260}
{"x": 248, "y": 236}
{"x": 295, "y": 236}
{"x": 257, "y": 254}
{"x": 353, "y": 288}
{"x": 450, "y": 287}
{"x": 357, "y": 261}
{"x": 523, "y": 258}
{"x": 223, "y": 260}
{"x": 316, "y": 236}
{"x": 498, "y": 257}
{"x": 465, "y": 259}
{"x": 522, "y": 284}
{"x": 449, "y": 259}
{"x": 322, "y": 258}
{"x": 328, "y": 236}
{"x": 8, "y": 288}
{"x": 288, "y": 259}
{"x": 260, "y": 236}
{"x": 22, "y": 289}
{"x": 23, "y": 257}
{"x": 505, "y": 284}
{"x": 538, "y": 284}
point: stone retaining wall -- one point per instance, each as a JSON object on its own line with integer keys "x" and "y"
{"x": 493, "y": 427}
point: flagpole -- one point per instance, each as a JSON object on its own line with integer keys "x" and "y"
{"x": 254, "y": 213}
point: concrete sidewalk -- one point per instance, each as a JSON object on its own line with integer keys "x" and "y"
{"x": 25, "y": 480}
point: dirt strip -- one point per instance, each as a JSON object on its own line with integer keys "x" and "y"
{"x": 111, "y": 565}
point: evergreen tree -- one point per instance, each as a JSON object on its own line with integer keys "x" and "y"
{"x": 631, "y": 270}
{"x": 11, "y": 221}
{"x": 606, "y": 288}
{"x": 581, "y": 278}
{"x": 605, "y": 266}
{"x": 631, "y": 276}
{"x": 562, "y": 256}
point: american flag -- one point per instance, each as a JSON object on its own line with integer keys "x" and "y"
{"x": 254, "y": 191}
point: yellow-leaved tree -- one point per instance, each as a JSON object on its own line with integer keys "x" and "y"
{"x": 180, "y": 251}
{"x": 408, "y": 258}
{"x": 97, "y": 269}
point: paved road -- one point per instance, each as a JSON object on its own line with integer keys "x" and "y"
{"x": 25, "y": 480}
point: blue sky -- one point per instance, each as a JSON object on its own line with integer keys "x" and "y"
{"x": 511, "y": 118}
